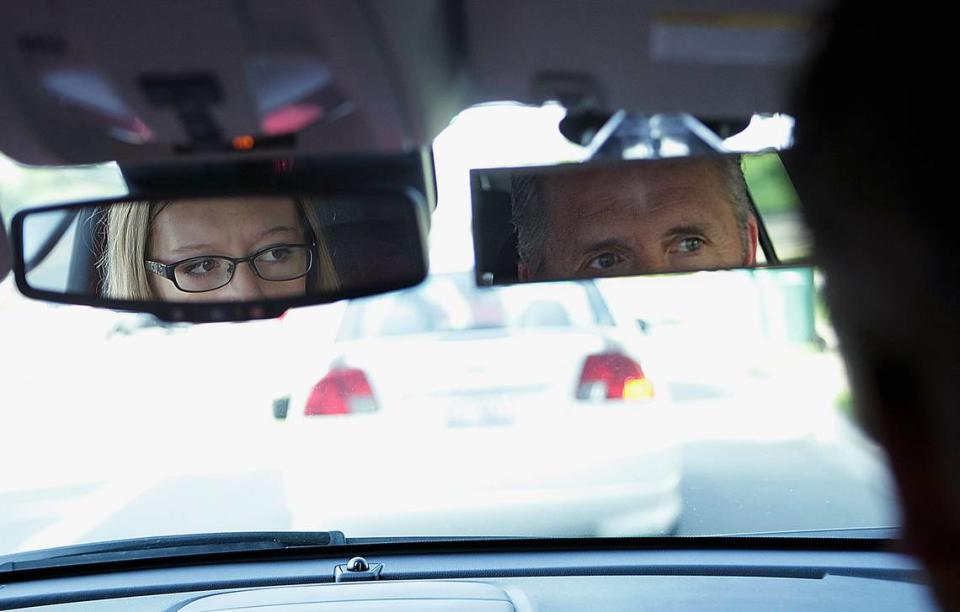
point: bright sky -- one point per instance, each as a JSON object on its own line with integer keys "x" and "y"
{"x": 494, "y": 135}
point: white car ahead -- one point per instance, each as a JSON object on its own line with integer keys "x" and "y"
{"x": 572, "y": 431}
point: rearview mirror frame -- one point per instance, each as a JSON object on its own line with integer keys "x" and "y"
{"x": 494, "y": 218}
{"x": 6, "y": 257}
{"x": 397, "y": 179}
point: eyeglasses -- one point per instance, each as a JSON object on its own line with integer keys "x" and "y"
{"x": 280, "y": 262}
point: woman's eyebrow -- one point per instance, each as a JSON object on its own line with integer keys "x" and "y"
{"x": 209, "y": 248}
{"x": 280, "y": 229}
{"x": 185, "y": 248}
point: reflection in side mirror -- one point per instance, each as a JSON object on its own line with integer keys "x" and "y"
{"x": 620, "y": 218}
{"x": 254, "y": 254}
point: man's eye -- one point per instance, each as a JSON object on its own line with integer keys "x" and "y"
{"x": 604, "y": 261}
{"x": 689, "y": 245}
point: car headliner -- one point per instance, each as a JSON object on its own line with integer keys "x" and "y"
{"x": 404, "y": 69}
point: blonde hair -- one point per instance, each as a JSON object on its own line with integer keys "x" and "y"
{"x": 127, "y": 227}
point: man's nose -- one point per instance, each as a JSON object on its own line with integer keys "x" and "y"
{"x": 649, "y": 261}
{"x": 246, "y": 285}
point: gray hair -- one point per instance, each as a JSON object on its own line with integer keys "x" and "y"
{"x": 532, "y": 226}
{"x": 731, "y": 169}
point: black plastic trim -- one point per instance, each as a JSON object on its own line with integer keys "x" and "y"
{"x": 389, "y": 553}
{"x": 465, "y": 545}
{"x": 910, "y": 576}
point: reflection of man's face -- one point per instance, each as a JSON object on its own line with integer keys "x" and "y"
{"x": 641, "y": 218}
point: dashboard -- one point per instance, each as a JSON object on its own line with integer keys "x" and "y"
{"x": 496, "y": 579}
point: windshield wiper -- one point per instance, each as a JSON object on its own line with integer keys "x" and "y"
{"x": 875, "y": 533}
{"x": 170, "y": 547}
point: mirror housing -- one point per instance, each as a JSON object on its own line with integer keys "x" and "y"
{"x": 626, "y": 217}
{"x": 347, "y": 218}
{"x": 5, "y": 258}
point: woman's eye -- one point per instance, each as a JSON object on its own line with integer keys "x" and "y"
{"x": 604, "y": 261}
{"x": 276, "y": 255}
{"x": 689, "y": 245}
{"x": 203, "y": 266}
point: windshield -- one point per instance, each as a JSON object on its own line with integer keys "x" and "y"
{"x": 455, "y": 304}
{"x": 684, "y": 404}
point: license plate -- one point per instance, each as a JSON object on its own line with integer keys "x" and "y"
{"x": 479, "y": 414}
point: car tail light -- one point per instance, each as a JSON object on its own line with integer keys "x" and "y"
{"x": 613, "y": 376}
{"x": 342, "y": 391}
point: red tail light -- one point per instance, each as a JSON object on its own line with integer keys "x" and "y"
{"x": 613, "y": 376}
{"x": 342, "y": 391}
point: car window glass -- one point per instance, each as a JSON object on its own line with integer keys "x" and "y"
{"x": 446, "y": 305}
{"x": 689, "y": 404}
{"x": 22, "y": 186}
{"x": 778, "y": 203}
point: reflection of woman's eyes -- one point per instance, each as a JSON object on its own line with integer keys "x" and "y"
{"x": 276, "y": 255}
{"x": 691, "y": 244}
{"x": 202, "y": 266}
{"x": 604, "y": 261}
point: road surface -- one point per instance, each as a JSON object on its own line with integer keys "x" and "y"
{"x": 727, "y": 487}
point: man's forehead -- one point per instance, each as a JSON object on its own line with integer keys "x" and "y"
{"x": 626, "y": 228}
{"x": 648, "y": 186}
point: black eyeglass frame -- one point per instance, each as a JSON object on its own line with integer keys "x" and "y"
{"x": 168, "y": 271}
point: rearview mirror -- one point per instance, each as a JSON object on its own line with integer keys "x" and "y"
{"x": 4, "y": 251}
{"x": 229, "y": 256}
{"x": 629, "y": 217}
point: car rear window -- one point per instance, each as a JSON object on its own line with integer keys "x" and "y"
{"x": 450, "y": 304}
